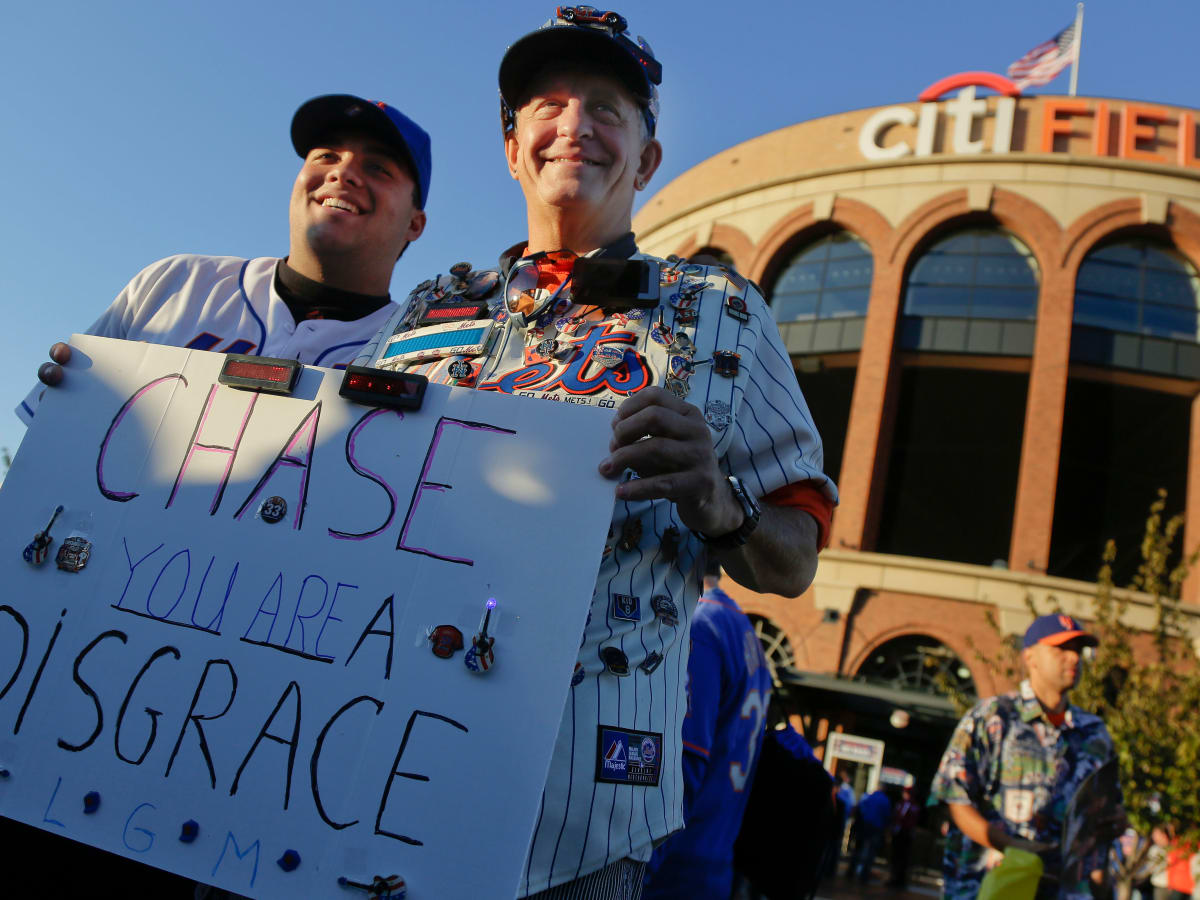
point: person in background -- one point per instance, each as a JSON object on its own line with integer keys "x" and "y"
{"x": 874, "y": 815}
{"x": 729, "y": 687}
{"x": 1015, "y": 762}
{"x": 904, "y": 826}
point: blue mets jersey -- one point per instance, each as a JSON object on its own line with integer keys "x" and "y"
{"x": 615, "y": 784}
{"x": 225, "y": 304}
{"x": 729, "y": 687}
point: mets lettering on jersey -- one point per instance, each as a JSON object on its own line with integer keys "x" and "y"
{"x": 247, "y": 570}
{"x": 627, "y": 756}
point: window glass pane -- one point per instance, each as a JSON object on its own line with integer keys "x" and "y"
{"x": 1003, "y": 270}
{"x": 1129, "y": 254}
{"x": 1106, "y": 312}
{"x": 1159, "y": 258}
{"x": 1169, "y": 321}
{"x": 991, "y": 241}
{"x": 800, "y": 277}
{"x": 1107, "y": 278}
{"x": 923, "y": 300}
{"x": 939, "y": 269}
{"x": 1003, "y": 303}
{"x": 848, "y": 273}
{"x": 1140, "y": 287}
{"x": 1168, "y": 287}
{"x": 959, "y": 242}
{"x": 849, "y": 302}
{"x": 830, "y": 277}
{"x": 791, "y": 307}
{"x": 844, "y": 244}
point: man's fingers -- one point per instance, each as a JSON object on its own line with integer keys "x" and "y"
{"x": 651, "y": 396}
{"x": 50, "y": 374}
{"x": 60, "y": 353}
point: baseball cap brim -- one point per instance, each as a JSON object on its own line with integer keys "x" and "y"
{"x": 322, "y": 116}
{"x": 586, "y": 46}
{"x": 1062, "y": 637}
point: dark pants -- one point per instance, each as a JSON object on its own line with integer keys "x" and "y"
{"x": 901, "y": 854}
{"x": 869, "y": 841}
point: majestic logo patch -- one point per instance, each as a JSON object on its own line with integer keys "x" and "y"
{"x": 626, "y": 756}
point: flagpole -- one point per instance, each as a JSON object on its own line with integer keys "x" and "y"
{"x": 1078, "y": 47}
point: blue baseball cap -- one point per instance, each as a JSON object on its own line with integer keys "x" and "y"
{"x": 330, "y": 113}
{"x": 1056, "y": 629}
{"x": 582, "y": 34}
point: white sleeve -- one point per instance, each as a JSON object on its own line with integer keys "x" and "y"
{"x": 114, "y": 322}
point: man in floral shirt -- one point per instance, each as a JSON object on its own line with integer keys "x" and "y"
{"x": 1014, "y": 763}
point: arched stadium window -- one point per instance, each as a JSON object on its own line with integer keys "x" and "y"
{"x": 1138, "y": 286}
{"x": 827, "y": 279}
{"x": 917, "y": 662}
{"x": 974, "y": 273}
{"x": 776, "y": 647}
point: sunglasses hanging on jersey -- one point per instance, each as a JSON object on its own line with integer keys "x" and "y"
{"x": 520, "y": 298}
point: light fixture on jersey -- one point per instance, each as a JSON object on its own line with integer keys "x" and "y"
{"x": 260, "y": 373}
{"x": 520, "y": 297}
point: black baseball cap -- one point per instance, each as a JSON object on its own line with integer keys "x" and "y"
{"x": 330, "y": 113}
{"x": 582, "y": 34}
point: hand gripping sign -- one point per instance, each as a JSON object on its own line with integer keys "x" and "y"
{"x": 245, "y": 659}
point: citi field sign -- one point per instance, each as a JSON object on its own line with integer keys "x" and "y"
{"x": 969, "y": 125}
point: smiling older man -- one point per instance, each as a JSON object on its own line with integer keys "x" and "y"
{"x": 357, "y": 202}
{"x": 687, "y": 355}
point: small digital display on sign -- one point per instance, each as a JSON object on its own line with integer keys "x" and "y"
{"x": 260, "y": 373}
{"x": 376, "y": 387}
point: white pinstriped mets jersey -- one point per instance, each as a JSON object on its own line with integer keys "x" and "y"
{"x": 225, "y": 304}
{"x": 615, "y": 782}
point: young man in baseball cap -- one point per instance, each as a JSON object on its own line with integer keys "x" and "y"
{"x": 1016, "y": 760}
{"x": 708, "y": 414}
{"x": 357, "y": 202}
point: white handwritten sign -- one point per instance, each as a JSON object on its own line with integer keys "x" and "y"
{"x": 248, "y": 645}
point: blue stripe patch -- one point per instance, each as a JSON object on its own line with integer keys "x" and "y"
{"x": 435, "y": 341}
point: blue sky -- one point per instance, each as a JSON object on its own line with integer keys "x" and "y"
{"x": 137, "y": 130}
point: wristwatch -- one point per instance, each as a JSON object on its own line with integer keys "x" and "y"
{"x": 741, "y": 534}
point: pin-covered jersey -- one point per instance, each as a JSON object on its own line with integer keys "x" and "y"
{"x": 729, "y": 688}
{"x": 228, "y": 305}
{"x": 615, "y": 783}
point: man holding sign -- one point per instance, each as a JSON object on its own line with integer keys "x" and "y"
{"x": 712, "y": 444}
{"x": 357, "y": 202}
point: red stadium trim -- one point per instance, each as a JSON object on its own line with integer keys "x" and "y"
{"x": 997, "y": 83}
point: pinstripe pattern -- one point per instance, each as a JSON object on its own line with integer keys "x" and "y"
{"x": 584, "y": 825}
{"x": 621, "y": 880}
{"x": 177, "y": 299}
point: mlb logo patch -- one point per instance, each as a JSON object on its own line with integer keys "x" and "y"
{"x": 627, "y": 607}
{"x": 627, "y": 756}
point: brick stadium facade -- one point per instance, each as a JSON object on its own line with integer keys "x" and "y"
{"x": 1077, "y": 408}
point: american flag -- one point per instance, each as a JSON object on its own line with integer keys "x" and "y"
{"x": 1046, "y": 60}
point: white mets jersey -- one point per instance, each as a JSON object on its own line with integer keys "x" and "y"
{"x": 228, "y": 305}
{"x": 615, "y": 783}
